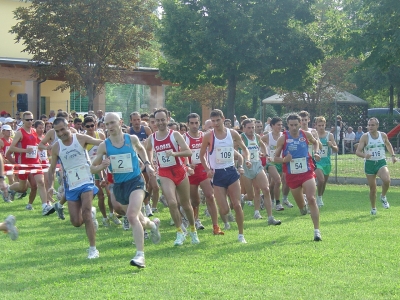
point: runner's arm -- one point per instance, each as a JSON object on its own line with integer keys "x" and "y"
{"x": 238, "y": 141}
{"x": 148, "y": 146}
{"x": 184, "y": 150}
{"x": 53, "y": 164}
{"x": 333, "y": 143}
{"x": 140, "y": 150}
{"x": 99, "y": 164}
{"x": 87, "y": 139}
{"x": 262, "y": 146}
{"x": 13, "y": 147}
{"x": 361, "y": 145}
{"x": 46, "y": 140}
{"x": 279, "y": 146}
{"x": 389, "y": 147}
{"x": 203, "y": 151}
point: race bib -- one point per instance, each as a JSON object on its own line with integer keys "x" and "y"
{"x": 121, "y": 163}
{"x": 43, "y": 155}
{"x": 298, "y": 165}
{"x": 324, "y": 152}
{"x": 78, "y": 176}
{"x": 224, "y": 155}
{"x": 195, "y": 159}
{"x": 376, "y": 154}
{"x": 164, "y": 160}
{"x": 34, "y": 152}
{"x": 254, "y": 155}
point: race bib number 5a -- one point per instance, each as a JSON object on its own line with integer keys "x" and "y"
{"x": 298, "y": 165}
{"x": 224, "y": 155}
{"x": 121, "y": 163}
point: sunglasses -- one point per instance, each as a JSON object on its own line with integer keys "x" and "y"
{"x": 89, "y": 126}
{"x": 70, "y": 121}
{"x": 29, "y": 120}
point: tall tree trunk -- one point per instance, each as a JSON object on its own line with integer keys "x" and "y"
{"x": 232, "y": 82}
{"x": 90, "y": 92}
{"x": 391, "y": 100}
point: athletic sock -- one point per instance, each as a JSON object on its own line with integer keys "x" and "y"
{"x": 140, "y": 253}
{"x": 316, "y": 231}
{"x": 44, "y": 205}
{"x": 192, "y": 228}
{"x": 178, "y": 229}
{"x": 277, "y": 202}
{"x": 284, "y": 198}
{"x": 92, "y": 248}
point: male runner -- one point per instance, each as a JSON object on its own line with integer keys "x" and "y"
{"x": 78, "y": 181}
{"x": 170, "y": 148}
{"x": 255, "y": 176}
{"x": 194, "y": 138}
{"x": 298, "y": 167}
{"x": 5, "y": 143}
{"x": 122, "y": 152}
{"x": 324, "y": 165}
{"x": 372, "y": 149}
{"x": 220, "y": 145}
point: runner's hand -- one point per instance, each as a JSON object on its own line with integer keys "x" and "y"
{"x": 367, "y": 156}
{"x": 288, "y": 158}
{"x": 150, "y": 170}
{"x": 317, "y": 157}
{"x": 210, "y": 173}
{"x": 190, "y": 171}
{"x": 394, "y": 159}
{"x": 51, "y": 191}
{"x": 105, "y": 163}
{"x": 29, "y": 150}
{"x": 248, "y": 164}
{"x": 169, "y": 153}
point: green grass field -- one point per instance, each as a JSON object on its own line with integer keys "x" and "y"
{"x": 350, "y": 165}
{"x": 357, "y": 258}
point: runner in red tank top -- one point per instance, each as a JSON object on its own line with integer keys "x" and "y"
{"x": 170, "y": 147}
{"x": 5, "y": 143}
{"x": 28, "y": 142}
{"x": 194, "y": 138}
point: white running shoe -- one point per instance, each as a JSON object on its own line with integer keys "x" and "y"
{"x": 227, "y": 226}
{"x": 195, "y": 238}
{"x": 155, "y": 235}
{"x": 48, "y": 210}
{"x": 106, "y": 222}
{"x": 29, "y": 207}
{"x": 114, "y": 219}
{"x": 138, "y": 261}
{"x": 59, "y": 210}
{"x": 373, "y": 211}
{"x": 241, "y": 239}
{"x": 180, "y": 238}
{"x": 149, "y": 212}
{"x": 279, "y": 207}
{"x": 287, "y": 203}
{"x": 272, "y": 221}
{"x": 93, "y": 254}
{"x": 198, "y": 225}
{"x": 257, "y": 215}
{"x": 317, "y": 236}
{"x": 320, "y": 203}
{"x": 95, "y": 223}
{"x": 11, "y": 229}
{"x": 385, "y": 204}
{"x": 125, "y": 224}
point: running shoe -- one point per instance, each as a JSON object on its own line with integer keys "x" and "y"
{"x": 180, "y": 238}
{"x": 114, "y": 219}
{"x": 148, "y": 211}
{"x": 217, "y": 231}
{"x": 231, "y": 218}
{"x": 95, "y": 223}
{"x": 184, "y": 230}
{"x": 320, "y": 203}
{"x": 279, "y": 207}
{"x": 262, "y": 205}
{"x": 93, "y": 254}
{"x": 198, "y": 225}
{"x": 6, "y": 199}
{"x": 138, "y": 261}
{"x": 242, "y": 200}
{"x": 227, "y": 226}
{"x": 154, "y": 210}
{"x": 29, "y": 207}
{"x": 385, "y": 204}
{"x": 48, "y": 210}
{"x": 287, "y": 203}
{"x": 317, "y": 236}
{"x": 155, "y": 235}
{"x": 11, "y": 229}
{"x": 195, "y": 238}
{"x": 59, "y": 210}
{"x": 163, "y": 200}
{"x": 272, "y": 221}
{"x": 304, "y": 210}
{"x": 373, "y": 211}
{"x": 171, "y": 222}
{"x": 241, "y": 239}
{"x": 106, "y": 222}
{"x": 125, "y": 224}
{"x": 20, "y": 195}
{"x": 145, "y": 235}
{"x": 207, "y": 213}
{"x": 11, "y": 194}
{"x": 250, "y": 203}
{"x": 257, "y": 215}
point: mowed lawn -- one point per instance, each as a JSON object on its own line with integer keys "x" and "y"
{"x": 357, "y": 259}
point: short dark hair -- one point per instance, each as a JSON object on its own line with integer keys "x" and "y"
{"x": 293, "y": 117}
{"x": 38, "y": 122}
{"x": 192, "y": 116}
{"x": 43, "y": 116}
{"x": 246, "y": 121}
{"x": 164, "y": 110}
{"x": 60, "y": 120}
{"x": 144, "y": 115}
{"x": 182, "y": 125}
{"x": 62, "y": 114}
{"x": 88, "y": 119}
{"x": 77, "y": 120}
{"x": 216, "y": 113}
{"x": 275, "y": 120}
{"x": 304, "y": 114}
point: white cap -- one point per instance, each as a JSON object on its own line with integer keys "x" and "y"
{"x": 9, "y": 120}
{"x": 2, "y": 119}
{"x": 6, "y": 127}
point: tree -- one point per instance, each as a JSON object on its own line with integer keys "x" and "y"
{"x": 226, "y": 41}
{"x": 84, "y": 41}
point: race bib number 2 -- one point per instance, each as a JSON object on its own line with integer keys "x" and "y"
{"x": 121, "y": 163}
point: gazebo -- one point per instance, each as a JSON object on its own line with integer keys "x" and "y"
{"x": 352, "y": 108}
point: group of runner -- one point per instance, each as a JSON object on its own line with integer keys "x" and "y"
{"x": 232, "y": 166}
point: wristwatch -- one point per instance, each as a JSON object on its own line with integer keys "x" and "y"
{"x": 147, "y": 162}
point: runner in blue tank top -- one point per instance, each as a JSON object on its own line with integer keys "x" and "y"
{"x": 299, "y": 168}
{"x": 122, "y": 159}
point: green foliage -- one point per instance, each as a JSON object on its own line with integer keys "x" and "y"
{"x": 225, "y": 42}
{"x": 83, "y": 41}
